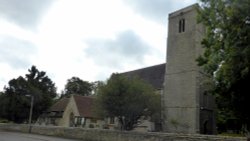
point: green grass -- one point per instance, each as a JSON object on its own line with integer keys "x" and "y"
{"x": 232, "y": 135}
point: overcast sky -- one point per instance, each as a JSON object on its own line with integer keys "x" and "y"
{"x": 89, "y": 39}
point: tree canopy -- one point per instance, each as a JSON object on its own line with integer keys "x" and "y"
{"x": 127, "y": 99}
{"x": 15, "y": 103}
{"x": 75, "y": 85}
{"x": 227, "y": 54}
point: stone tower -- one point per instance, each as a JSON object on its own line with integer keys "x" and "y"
{"x": 182, "y": 88}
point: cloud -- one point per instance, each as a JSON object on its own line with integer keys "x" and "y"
{"x": 15, "y": 52}
{"x": 126, "y": 48}
{"x": 157, "y": 10}
{"x": 23, "y": 12}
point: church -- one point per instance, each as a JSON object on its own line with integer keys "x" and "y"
{"x": 186, "y": 106}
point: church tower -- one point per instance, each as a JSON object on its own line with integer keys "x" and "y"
{"x": 182, "y": 90}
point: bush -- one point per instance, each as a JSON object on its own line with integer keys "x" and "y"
{"x": 4, "y": 121}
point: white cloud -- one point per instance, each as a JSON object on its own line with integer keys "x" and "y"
{"x": 25, "y": 13}
{"x": 126, "y": 48}
{"x": 60, "y": 44}
{"x": 157, "y": 10}
{"x": 8, "y": 73}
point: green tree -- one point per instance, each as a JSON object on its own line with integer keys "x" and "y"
{"x": 76, "y": 85}
{"x": 128, "y": 100}
{"x": 227, "y": 54}
{"x": 16, "y": 104}
{"x": 96, "y": 86}
{"x": 2, "y": 103}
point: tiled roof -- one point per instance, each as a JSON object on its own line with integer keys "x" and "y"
{"x": 153, "y": 75}
{"x": 59, "y": 105}
{"x": 84, "y": 105}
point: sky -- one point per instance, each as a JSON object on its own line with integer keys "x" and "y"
{"x": 89, "y": 39}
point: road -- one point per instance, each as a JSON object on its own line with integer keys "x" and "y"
{"x": 14, "y": 136}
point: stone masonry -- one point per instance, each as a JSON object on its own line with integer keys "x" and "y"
{"x": 183, "y": 78}
{"x": 109, "y": 135}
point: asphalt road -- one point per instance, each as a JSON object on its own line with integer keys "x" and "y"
{"x": 14, "y": 136}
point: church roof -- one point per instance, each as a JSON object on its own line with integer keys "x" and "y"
{"x": 84, "y": 105}
{"x": 59, "y": 105}
{"x": 153, "y": 75}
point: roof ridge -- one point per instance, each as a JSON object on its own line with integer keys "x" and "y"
{"x": 61, "y": 104}
{"x": 153, "y": 75}
{"x": 144, "y": 68}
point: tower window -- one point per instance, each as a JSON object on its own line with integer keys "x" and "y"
{"x": 181, "y": 25}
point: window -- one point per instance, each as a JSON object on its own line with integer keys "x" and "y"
{"x": 71, "y": 120}
{"x": 78, "y": 120}
{"x": 181, "y": 25}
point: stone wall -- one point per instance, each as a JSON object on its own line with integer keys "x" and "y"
{"x": 183, "y": 110}
{"x": 108, "y": 135}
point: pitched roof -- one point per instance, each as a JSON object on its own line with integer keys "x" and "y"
{"x": 153, "y": 75}
{"x": 84, "y": 105}
{"x": 59, "y": 105}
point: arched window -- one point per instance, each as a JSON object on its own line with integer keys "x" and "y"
{"x": 71, "y": 120}
{"x": 181, "y": 25}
